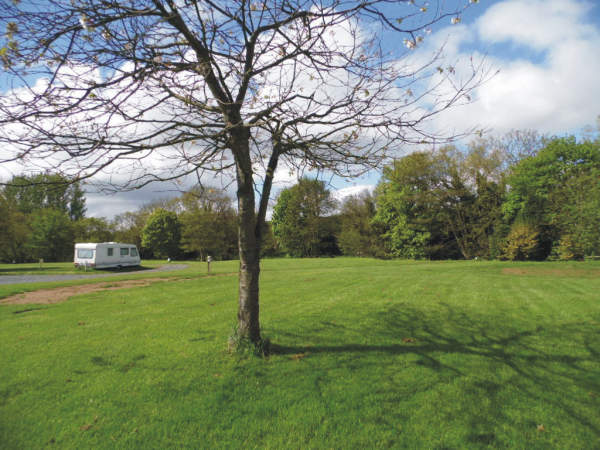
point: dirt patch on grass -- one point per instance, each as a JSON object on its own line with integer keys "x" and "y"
{"x": 57, "y": 295}
{"x": 566, "y": 272}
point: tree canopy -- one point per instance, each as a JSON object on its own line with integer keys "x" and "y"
{"x": 298, "y": 217}
{"x": 208, "y": 223}
{"x": 359, "y": 236}
{"x": 42, "y": 191}
{"x": 137, "y": 91}
{"x": 162, "y": 233}
{"x": 557, "y": 191}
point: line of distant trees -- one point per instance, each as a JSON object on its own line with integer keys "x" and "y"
{"x": 522, "y": 196}
{"x": 39, "y": 217}
{"x": 519, "y": 197}
{"x": 42, "y": 216}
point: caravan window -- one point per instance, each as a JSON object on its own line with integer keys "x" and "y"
{"x": 109, "y": 251}
{"x": 85, "y": 253}
{"x": 124, "y": 251}
{"x": 133, "y": 252}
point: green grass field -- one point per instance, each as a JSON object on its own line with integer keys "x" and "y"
{"x": 368, "y": 354}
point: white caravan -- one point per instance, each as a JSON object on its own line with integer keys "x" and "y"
{"x": 106, "y": 254}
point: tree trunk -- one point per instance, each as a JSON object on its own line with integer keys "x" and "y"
{"x": 248, "y": 306}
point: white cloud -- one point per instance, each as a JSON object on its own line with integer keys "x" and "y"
{"x": 343, "y": 193}
{"x": 110, "y": 205}
{"x": 539, "y": 24}
{"x": 557, "y": 92}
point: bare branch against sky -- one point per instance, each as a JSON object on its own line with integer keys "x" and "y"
{"x": 138, "y": 91}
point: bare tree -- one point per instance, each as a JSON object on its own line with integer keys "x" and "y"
{"x": 136, "y": 91}
{"x": 512, "y": 146}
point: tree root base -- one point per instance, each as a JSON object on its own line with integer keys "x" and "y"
{"x": 242, "y": 345}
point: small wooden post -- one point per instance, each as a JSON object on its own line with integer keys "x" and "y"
{"x": 41, "y": 262}
{"x": 208, "y": 261}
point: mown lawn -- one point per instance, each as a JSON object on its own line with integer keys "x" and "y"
{"x": 368, "y": 354}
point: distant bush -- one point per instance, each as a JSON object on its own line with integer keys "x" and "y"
{"x": 522, "y": 243}
{"x": 569, "y": 249}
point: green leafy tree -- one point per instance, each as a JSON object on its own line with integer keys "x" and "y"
{"x": 442, "y": 204}
{"x": 162, "y": 234}
{"x": 30, "y": 193}
{"x": 543, "y": 186}
{"x": 456, "y": 199}
{"x": 298, "y": 217}
{"x": 570, "y": 249}
{"x": 522, "y": 243}
{"x": 15, "y": 233}
{"x": 489, "y": 227}
{"x": 128, "y": 228}
{"x": 409, "y": 213}
{"x": 209, "y": 223}
{"x": 30, "y": 198}
{"x": 483, "y": 172}
{"x": 270, "y": 245}
{"x": 329, "y": 230}
{"x": 575, "y": 213}
{"x": 76, "y": 198}
{"x": 5, "y": 219}
{"x": 51, "y": 235}
{"x": 358, "y": 235}
{"x": 92, "y": 229}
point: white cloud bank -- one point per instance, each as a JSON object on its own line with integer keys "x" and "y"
{"x": 341, "y": 194}
{"x": 556, "y": 91}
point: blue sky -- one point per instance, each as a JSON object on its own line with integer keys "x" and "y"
{"x": 547, "y": 53}
{"x": 548, "y": 56}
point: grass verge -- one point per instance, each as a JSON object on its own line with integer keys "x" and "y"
{"x": 366, "y": 353}
{"x": 193, "y": 270}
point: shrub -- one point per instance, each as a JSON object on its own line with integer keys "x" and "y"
{"x": 569, "y": 249}
{"x": 522, "y": 243}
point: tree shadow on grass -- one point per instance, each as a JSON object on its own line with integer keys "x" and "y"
{"x": 21, "y": 311}
{"x": 556, "y": 365}
{"x": 103, "y": 362}
{"x": 121, "y": 269}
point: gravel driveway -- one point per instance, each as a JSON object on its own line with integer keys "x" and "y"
{"x": 18, "y": 279}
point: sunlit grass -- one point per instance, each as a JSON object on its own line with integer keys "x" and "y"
{"x": 367, "y": 354}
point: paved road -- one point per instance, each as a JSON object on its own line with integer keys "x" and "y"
{"x": 17, "y": 279}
